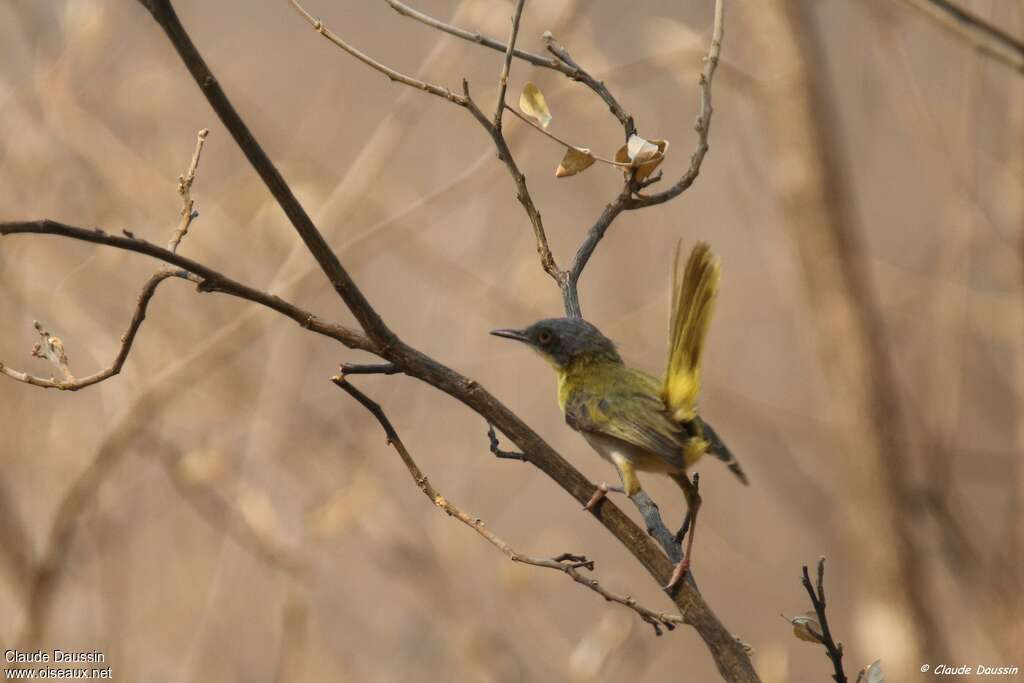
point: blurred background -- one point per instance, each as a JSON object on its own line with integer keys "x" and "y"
{"x": 220, "y": 511}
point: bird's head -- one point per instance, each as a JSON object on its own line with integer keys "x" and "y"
{"x": 565, "y": 341}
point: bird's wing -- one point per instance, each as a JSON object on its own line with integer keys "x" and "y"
{"x": 636, "y": 417}
{"x": 693, "y": 300}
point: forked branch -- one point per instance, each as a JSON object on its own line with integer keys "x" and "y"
{"x": 568, "y": 563}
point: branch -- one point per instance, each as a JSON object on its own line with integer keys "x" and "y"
{"x": 493, "y": 128}
{"x": 212, "y": 281}
{"x": 70, "y": 383}
{"x": 577, "y": 73}
{"x": 566, "y": 562}
{"x": 703, "y": 125}
{"x": 319, "y": 27}
{"x": 53, "y": 347}
{"x": 983, "y": 36}
{"x": 835, "y": 652}
{"x": 562, "y": 62}
{"x": 547, "y": 260}
{"x": 730, "y": 657}
{"x": 369, "y": 369}
{"x": 506, "y": 67}
{"x": 531, "y": 124}
{"x": 342, "y": 282}
{"x": 188, "y": 213}
{"x": 492, "y": 437}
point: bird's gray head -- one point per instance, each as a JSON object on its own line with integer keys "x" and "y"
{"x": 563, "y": 341}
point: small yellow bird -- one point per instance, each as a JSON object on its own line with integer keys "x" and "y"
{"x": 634, "y": 420}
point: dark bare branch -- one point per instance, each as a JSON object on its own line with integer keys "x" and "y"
{"x": 730, "y": 657}
{"x": 494, "y": 446}
{"x": 817, "y": 595}
{"x": 369, "y": 369}
{"x": 212, "y": 281}
{"x": 164, "y": 14}
{"x": 566, "y": 562}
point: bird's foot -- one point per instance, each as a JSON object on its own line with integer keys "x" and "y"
{"x": 600, "y": 494}
{"x": 678, "y": 574}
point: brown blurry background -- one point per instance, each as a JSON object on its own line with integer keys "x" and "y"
{"x": 221, "y": 512}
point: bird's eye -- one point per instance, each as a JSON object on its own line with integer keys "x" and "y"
{"x": 544, "y": 337}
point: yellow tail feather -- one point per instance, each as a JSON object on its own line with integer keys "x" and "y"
{"x": 693, "y": 301}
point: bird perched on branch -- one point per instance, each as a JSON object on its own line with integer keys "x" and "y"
{"x": 636, "y": 421}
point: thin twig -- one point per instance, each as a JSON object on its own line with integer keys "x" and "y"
{"x": 562, "y": 62}
{"x": 492, "y": 438}
{"x": 562, "y": 142}
{"x": 983, "y": 36}
{"x": 163, "y": 13}
{"x": 474, "y": 37}
{"x": 392, "y": 74}
{"x": 188, "y": 213}
{"x": 547, "y": 259}
{"x": 506, "y": 67}
{"x": 566, "y": 562}
{"x": 577, "y": 73}
{"x": 212, "y": 280}
{"x": 835, "y": 652}
{"x": 70, "y": 383}
{"x": 703, "y": 125}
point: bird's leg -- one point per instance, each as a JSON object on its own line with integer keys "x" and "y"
{"x": 630, "y": 484}
{"x": 693, "y": 501}
{"x": 601, "y": 493}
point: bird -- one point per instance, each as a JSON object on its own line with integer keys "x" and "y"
{"x": 636, "y": 421}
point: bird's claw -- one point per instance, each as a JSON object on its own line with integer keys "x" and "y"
{"x": 600, "y": 494}
{"x": 678, "y": 574}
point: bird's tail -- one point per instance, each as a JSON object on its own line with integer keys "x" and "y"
{"x": 693, "y": 300}
{"x": 718, "y": 449}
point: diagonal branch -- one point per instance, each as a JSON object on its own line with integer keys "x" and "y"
{"x": 561, "y": 62}
{"x": 983, "y": 36}
{"x": 211, "y": 280}
{"x": 730, "y": 657}
{"x": 392, "y": 74}
{"x": 566, "y": 562}
{"x": 371, "y": 322}
{"x": 577, "y": 73}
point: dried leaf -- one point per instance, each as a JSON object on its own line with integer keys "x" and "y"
{"x": 532, "y": 103}
{"x": 642, "y": 155}
{"x": 574, "y": 161}
{"x": 647, "y": 168}
{"x": 640, "y": 150}
{"x": 874, "y": 672}
{"x": 806, "y": 627}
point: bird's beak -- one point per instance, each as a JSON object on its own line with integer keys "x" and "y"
{"x": 518, "y": 335}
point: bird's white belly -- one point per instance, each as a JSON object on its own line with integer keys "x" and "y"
{"x": 612, "y": 450}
